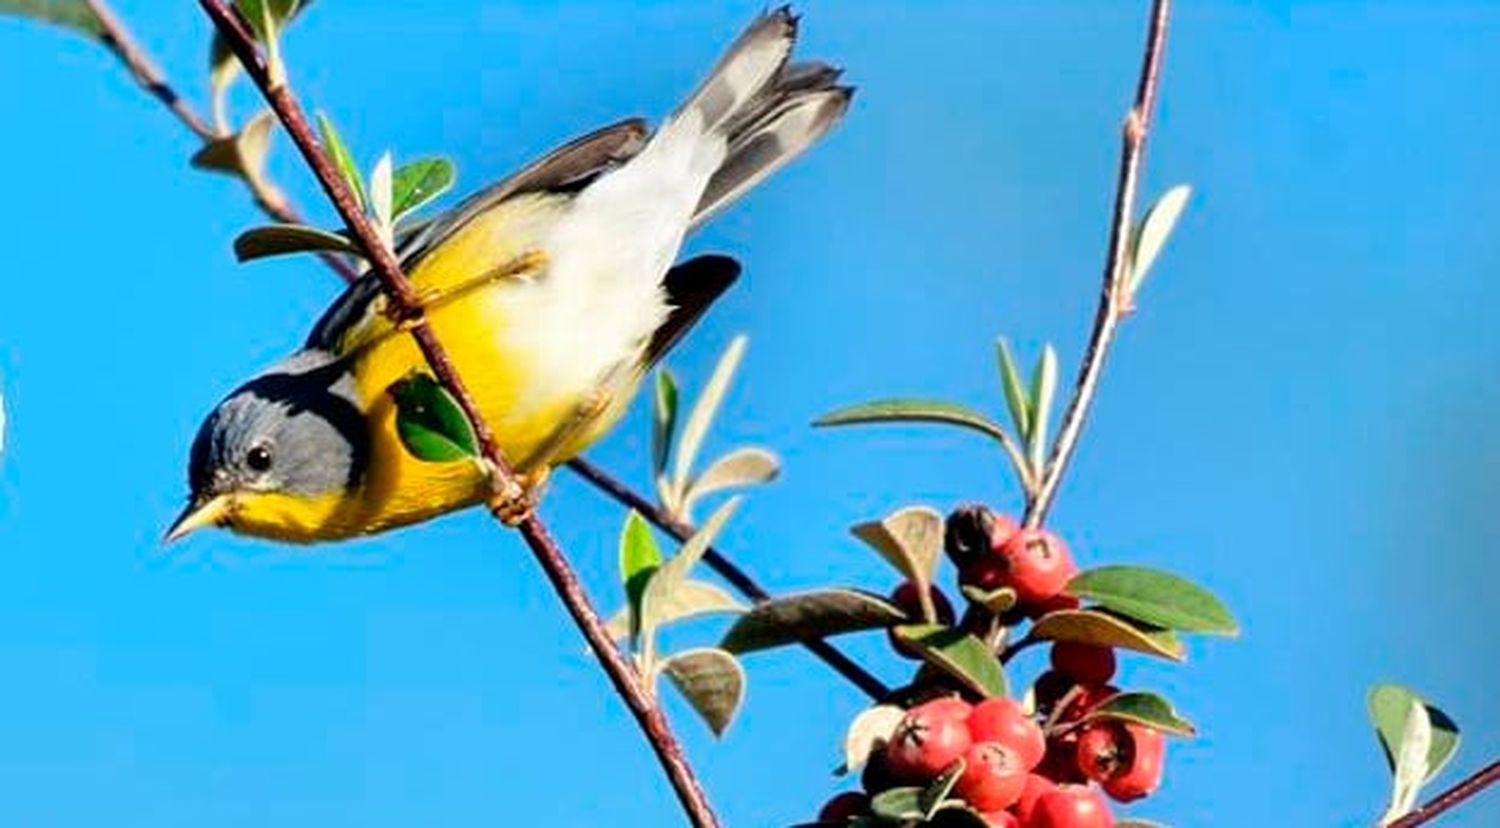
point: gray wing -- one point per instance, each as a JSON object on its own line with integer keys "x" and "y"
{"x": 568, "y": 168}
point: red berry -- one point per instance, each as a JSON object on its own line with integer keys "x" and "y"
{"x": 930, "y": 738}
{"x": 1060, "y": 764}
{"x": 1031, "y": 792}
{"x": 1101, "y": 750}
{"x": 993, "y": 776}
{"x": 1001, "y": 819}
{"x": 1071, "y": 806}
{"x": 844, "y": 807}
{"x": 1002, "y": 720}
{"x": 1140, "y": 774}
{"x": 1084, "y": 663}
{"x": 907, "y": 599}
{"x": 1039, "y": 565}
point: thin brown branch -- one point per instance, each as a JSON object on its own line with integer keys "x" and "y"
{"x": 1113, "y": 301}
{"x": 1468, "y": 787}
{"x": 728, "y": 570}
{"x": 118, "y": 40}
{"x": 407, "y": 309}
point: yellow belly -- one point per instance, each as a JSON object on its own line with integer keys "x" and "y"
{"x": 485, "y": 332}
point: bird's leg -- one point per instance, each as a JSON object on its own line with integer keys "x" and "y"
{"x": 519, "y": 267}
{"x": 514, "y": 503}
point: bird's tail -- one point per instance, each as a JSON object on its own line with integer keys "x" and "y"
{"x": 756, "y": 111}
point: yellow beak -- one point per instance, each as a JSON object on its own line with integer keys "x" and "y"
{"x": 198, "y": 514}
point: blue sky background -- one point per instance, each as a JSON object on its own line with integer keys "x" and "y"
{"x": 1301, "y": 415}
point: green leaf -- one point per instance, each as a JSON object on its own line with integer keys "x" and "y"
{"x": 898, "y": 804}
{"x": 260, "y": 12}
{"x": 639, "y": 558}
{"x": 1015, "y": 394}
{"x": 913, "y": 411}
{"x": 382, "y": 198}
{"x": 1155, "y": 597}
{"x": 958, "y": 654}
{"x": 796, "y": 618}
{"x": 707, "y": 405}
{"x": 1105, "y": 630}
{"x": 741, "y": 467}
{"x": 658, "y": 596}
{"x": 689, "y": 600}
{"x": 430, "y": 422}
{"x": 73, "y": 14}
{"x": 1043, "y": 389}
{"x": 338, "y": 152}
{"x": 1411, "y": 762}
{"x": 910, "y": 539}
{"x": 419, "y": 182}
{"x": 996, "y": 601}
{"x": 282, "y": 239}
{"x": 868, "y": 732}
{"x": 1147, "y": 709}
{"x": 223, "y": 67}
{"x": 713, "y": 682}
{"x": 1151, "y": 234}
{"x": 663, "y": 421}
{"x": 1389, "y": 705}
{"x": 243, "y": 154}
{"x": 938, "y": 790}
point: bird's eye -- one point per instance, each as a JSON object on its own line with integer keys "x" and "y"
{"x": 259, "y": 459}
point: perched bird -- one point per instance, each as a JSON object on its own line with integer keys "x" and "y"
{"x": 553, "y": 293}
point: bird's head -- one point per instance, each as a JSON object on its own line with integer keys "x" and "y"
{"x": 279, "y": 454}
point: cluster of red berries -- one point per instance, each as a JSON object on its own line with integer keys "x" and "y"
{"x": 1050, "y": 767}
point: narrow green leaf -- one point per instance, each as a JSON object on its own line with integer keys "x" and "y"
{"x": 639, "y": 558}
{"x": 898, "y": 804}
{"x": 1147, "y": 709}
{"x": 713, "y": 682}
{"x": 795, "y": 618}
{"x": 1016, "y": 398}
{"x": 913, "y": 411}
{"x": 1411, "y": 762}
{"x": 1155, "y": 597}
{"x": 382, "y": 198}
{"x": 661, "y": 587}
{"x": 1389, "y": 705}
{"x": 691, "y": 599}
{"x": 1106, "y": 630}
{"x": 282, "y": 239}
{"x": 73, "y": 14}
{"x": 707, "y": 405}
{"x": 741, "y": 467}
{"x": 1151, "y": 234}
{"x": 958, "y": 654}
{"x": 430, "y": 422}
{"x": 910, "y": 539}
{"x": 338, "y": 151}
{"x": 938, "y": 790}
{"x": 664, "y": 420}
{"x": 419, "y": 182}
{"x": 868, "y": 732}
{"x": 1043, "y": 390}
{"x": 264, "y": 13}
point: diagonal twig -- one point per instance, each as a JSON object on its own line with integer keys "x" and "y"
{"x": 1113, "y": 301}
{"x": 727, "y": 569}
{"x": 407, "y": 309}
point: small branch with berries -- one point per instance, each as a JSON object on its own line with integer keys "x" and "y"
{"x": 269, "y": 75}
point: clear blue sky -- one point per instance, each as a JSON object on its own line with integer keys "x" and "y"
{"x": 1301, "y": 415}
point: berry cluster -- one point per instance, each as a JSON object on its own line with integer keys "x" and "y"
{"x": 1044, "y": 763}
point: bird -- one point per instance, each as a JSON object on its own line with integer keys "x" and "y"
{"x": 553, "y": 291}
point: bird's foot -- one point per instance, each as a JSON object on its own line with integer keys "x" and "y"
{"x": 514, "y": 501}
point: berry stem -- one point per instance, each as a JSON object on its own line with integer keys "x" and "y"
{"x": 1113, "y": 300}
{"x": 406, "y": 308}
